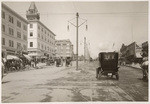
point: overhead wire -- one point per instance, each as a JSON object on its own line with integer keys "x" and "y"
{"x": 131, "y": 13}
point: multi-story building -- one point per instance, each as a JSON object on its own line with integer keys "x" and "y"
{"x": 14, "y": 32}
{"x": 64, "y": 48}
{"x": 41, "y": 40}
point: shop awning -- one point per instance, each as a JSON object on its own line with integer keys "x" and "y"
{"x": 10, "y": 57}
{"x": 43, "y": 57}
{"x": 28, "y": 57}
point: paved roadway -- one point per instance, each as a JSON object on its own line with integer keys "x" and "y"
{"x": 61, "y": 84}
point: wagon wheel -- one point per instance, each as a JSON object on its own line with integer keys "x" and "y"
{"x": 117, "y": 76}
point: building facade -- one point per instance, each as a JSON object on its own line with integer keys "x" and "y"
{"x": 145, "y": 49}
{"x": 64, "y": 48}
{"x": 41, "y": 40}
{"x": 131, "y": 53}
{"x": 14, "y": 32}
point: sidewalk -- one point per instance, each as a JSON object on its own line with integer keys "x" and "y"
{"x": 38, "y": 66}
{"x": 41, "y": 65}
{"x": 137, "y": 66}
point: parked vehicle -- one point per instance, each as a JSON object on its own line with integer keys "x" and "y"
{"x": 50, "y": 61}
{"x": 58, "y": 62}
{"x": 108, "y": 65}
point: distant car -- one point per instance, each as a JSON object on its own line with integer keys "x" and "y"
{"x": 58, "y": 62}
{"x": 108, "y": 64}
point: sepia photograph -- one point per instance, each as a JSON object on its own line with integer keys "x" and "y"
{"x": 74, "y": 51}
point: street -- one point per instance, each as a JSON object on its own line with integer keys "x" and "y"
{"x": 65, "y": 84}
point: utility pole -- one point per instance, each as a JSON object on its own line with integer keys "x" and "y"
{"x": 84, "y": 49}
{"x": 77, "y": 27}
{"x": 77, "y": 16}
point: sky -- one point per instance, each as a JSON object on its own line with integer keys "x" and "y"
{"x": 110, "y": 24}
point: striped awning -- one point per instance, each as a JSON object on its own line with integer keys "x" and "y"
{"x": 10, "y": 57}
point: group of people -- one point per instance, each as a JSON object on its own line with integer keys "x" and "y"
{"x": 14, "y": 64}
{"x": 59, "y": 61}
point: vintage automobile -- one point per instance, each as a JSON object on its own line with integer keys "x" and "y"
{"x": 58, "y": 62}
{"x": 108, "y": 62}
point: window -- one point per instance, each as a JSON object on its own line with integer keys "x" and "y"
{"x": 31, "y": 33}
{"x": 109, "y": 56}
{"x": 45, "y": 31}
{"x": 3, "y": 28}
{"x": 11, "y": 43}
{"x": 11, "y": 31}
{"x": 25, "y": 27}
{"x": 3, "y": 15}
{"x": 18, "y": 34}
{"x": 24, "y": 37}
{"x": 3, "y": 41}
{"x": 42, "y": 29}
{"x": 31, "y": 25}
{"x": 19, "y": 24}
{"x": 11, "y": 19}
{"x": 31, "y": 44}
{"x": 18, "y": 45}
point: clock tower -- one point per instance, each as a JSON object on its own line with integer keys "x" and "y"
{"x": 32, "y": 13}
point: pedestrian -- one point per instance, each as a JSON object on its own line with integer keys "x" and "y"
{"x": 144, "y": 66}
{"x": 98, "y": 71}
{"x": 32, "y": 63}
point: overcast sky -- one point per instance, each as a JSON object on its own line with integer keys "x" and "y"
{"x": 108, "y": 22}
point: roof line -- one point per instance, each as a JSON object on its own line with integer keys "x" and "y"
{"x": 14, "y": 13}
